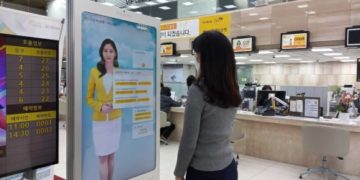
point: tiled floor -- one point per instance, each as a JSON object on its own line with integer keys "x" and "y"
{"x": 249, "y": 168}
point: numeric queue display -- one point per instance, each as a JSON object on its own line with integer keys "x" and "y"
{"x": 28, "y": 103}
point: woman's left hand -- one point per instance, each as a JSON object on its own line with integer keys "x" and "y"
{"x": 179, "y": 178}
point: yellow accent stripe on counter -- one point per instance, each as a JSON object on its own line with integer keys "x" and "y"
{"x": 126, "y": 83}
{"x": 30, "y": 51}
{"x": 27, "y": 117}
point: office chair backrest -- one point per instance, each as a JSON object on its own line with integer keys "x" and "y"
{"x": 326, "y": 140}
{"x": 163, "y": 119}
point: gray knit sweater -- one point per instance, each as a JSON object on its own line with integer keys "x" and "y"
{"x": 205, "y": 143}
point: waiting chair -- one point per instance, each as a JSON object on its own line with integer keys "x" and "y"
{"x": 325, "y": 141}
{"x": 163, "y": 123}
{"x": 236, "y": 136}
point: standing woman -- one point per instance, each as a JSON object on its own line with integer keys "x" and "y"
{"x": 205, "y": 151}
{"x": 106, "y": 120}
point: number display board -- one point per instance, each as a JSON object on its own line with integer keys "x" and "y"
{"x": 243, "y": 44}
{"x": 28, "y": 103}
{"x": 294, "y": 40}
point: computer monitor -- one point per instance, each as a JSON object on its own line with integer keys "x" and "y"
{"x": 249, "y": 92}
{"x": 262, "y": 96}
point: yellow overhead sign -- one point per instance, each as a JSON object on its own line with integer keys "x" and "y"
{"x": 221, "y": 23}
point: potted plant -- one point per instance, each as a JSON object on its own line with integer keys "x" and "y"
{"x": 343, "y": 106}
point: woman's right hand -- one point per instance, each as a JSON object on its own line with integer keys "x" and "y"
{"x": 106, "y": 108}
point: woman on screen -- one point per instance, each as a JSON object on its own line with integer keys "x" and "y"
{"x": 106, "y": 120}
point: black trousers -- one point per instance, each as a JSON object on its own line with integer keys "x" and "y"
{"x": 166, "y": 131}
{"x": 229, "y": 173}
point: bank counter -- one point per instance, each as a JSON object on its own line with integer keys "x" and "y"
{"x": 279, "y": 138}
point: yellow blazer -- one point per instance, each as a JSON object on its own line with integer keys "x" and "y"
{"x": 96, "y": 84}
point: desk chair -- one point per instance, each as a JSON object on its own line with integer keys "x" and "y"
{"x": 325, "y": 141}
{"x": 163, "y": 123}
{"x": 236, "y": 136}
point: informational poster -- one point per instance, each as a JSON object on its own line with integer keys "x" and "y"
{"x": 294, "y": 41}
{"x": 118, "y": 97}
{"x": 243, "y": 44}
{"x": 29, "y": 103}
{"x": 179, "y": 29}
{"x": 173, "y": 73}
{"x": 312, "y": 107}
{"x": 219, "y": 22}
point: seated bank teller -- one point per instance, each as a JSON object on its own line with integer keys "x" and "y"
{"x": 165, "y": 104}
{"x": 266, "y": 88}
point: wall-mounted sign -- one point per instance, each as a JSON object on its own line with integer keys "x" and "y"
{"x": 243, "y": 44}
{"x": 352, "y": 38}
{"x": 167, "y": 49}
{"x": 180, "y": 29}
{"x": 28, "y": 103}
{"x": 295, "y": 40}
{"x": 221, "y": 23}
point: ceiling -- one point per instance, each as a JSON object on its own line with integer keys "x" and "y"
{"x": 40, "y": 4}
{"x": 308, "y": 56}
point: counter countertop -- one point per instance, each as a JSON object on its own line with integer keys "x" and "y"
{"x": 353, "y": 125}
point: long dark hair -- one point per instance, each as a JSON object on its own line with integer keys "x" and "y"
{"x": 101, "y": 64}
{"x": 217, "y": 69}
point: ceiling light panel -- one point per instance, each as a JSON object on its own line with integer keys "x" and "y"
{"x": 231, "y": 6}
{"x": 150, "y": 3}
{"x": 332, "y": 54}
{"x": 321, "y": 50}
{"x": 187, "y": 3}
{"x": 165, "y": 7}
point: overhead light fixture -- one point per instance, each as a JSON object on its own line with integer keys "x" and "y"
{"x": 332, "y": 54}
{"x": 194, "y": 12}
{"x": 310, "y": 12}
{"x": 306, "y": 61}
{"x": 239, "y": 63}
{"x": 302, "y": 6}
{"x": 187, "y": 3}
{"x": 264, "y": 18}
{"x": 192, "y": 62}
{"x": 282, "y": 56}
{"x": 138, "y": 12}
{"x": 164, "y": 7}
{"x": 172, "y": 60}
{"x": 255, "y": 60}
{"x": 240, "y": 57}
{"x": 108, "y": 3}
{"x": 150, "y": 3}
{"x": 162, "y": 1}
{"x": 253, "y": 14}
{"x": 159, "y": 18}
{"x": 133, "y": 7}
{"x": 269, "y": 62}
{"x": 342, "y": 57}
{"x": 265, "y": 52}
{"x": 184, "y": 56}
{"x": 321, "y": 50}
{"x": 231, "y": 6}
{"x": 295, "y": 59}
{"x": 348, "y": 60}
